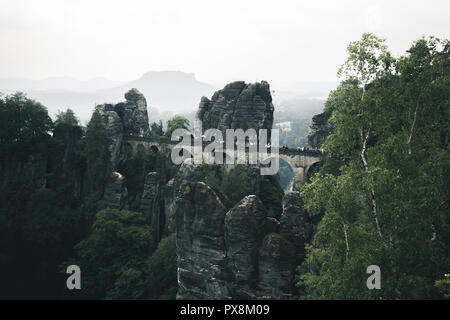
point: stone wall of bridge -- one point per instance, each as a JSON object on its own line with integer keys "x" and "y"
{"x": 300, "y": 161}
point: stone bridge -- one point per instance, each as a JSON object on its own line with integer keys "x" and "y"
{"x": 299, "y": 161}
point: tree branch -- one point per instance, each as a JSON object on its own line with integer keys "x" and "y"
{"x": 412, "y": 127}
{"x": 366, "y": 167}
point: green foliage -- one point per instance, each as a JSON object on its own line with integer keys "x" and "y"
{"x": 176, "y": 122}
{"x": 383, "y": 187}
{"x": 47, "y": 224}
{"x": 98, "y": 160}
{"x": 67, "y": 117}
{"x": 251, "y": 276}
{"x": 39, "y": 218}
{"x": 162, "y": 270}
{"x": 38, "y": 230}
{"x": 235, "y": 184}
{"x": 187, "y": 190}
{"x": 381, "y": 192}
{"x": 118, "y": 243}
{"x": 271, "y": 195}
{"x": 135, "y": 169}
{"x": 444, "y": 286}
{"x": 286, "y": 248}
{"x": 156, "y": 130}
{"x": 24, "y": 126}
{"x": 367, "y": 59}
{"x": 130, "y": 285}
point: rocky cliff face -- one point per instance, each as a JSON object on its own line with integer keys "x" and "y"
{"x": 234, "y": 252}
{"x": 244, "y": 230}
{"x": 124, "y": 119}
{"x": 115, "y": 195}
{"x": 296, "y": 224}
{"x": 225, "y": 250}
{"x": 172, "y": 191}
{"x": 201, "y": 252}
{"x": 238, "y": 105}
{"x": 319, "y": 129}
{"x": 244, "y": 251}
{"x": 134, "y": 114}
{"x": 276, "y": 268}
{"x": 151, "y": 204}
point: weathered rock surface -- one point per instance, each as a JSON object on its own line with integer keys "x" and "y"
{"x": 268, "y": 189}
{"x": 244, "y": 227}
{"x": 115, "y": 195}
{"x": 124, "y": 119}
{"x": 238, "y": 105}
{"x": 220, "y": 249}
{"x": 151, "y": 204}
{"x": 319, "y": 129}
{"x": 170, "y": 204}
{"x": 296, "y": 225}
{"x": 188, "y": 171}
{"x": 114, "y": 129}
{"x": 134, "y": 113}
{"x": 68, "y": 137}
{"x": 239, "y": 253}
{"x": 276, "y": 268}
{"x": 201, "y": 251}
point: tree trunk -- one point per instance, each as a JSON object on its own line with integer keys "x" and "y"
{"x": 412, "y": 127}
{"x": 366, "y": 167}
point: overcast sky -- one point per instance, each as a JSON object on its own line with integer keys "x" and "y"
{"x": 279, "y": 41}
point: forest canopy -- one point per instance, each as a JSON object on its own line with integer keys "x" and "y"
{"x": 383, "y": 188}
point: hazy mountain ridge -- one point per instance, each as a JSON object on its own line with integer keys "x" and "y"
{"x": 164, "y": 90}
{"x": 167, "y": 93}
{"x": 57, "y": 84}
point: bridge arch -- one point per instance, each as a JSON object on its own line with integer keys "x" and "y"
{"x": 299, "y": 161}
{"x": 286, "y": 174}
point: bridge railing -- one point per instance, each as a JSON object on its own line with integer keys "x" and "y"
{"x": 282, "y": 150}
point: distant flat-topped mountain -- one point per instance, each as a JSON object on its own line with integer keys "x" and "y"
{"x": 173, "y": 91}
{"x": 168, "y": 90}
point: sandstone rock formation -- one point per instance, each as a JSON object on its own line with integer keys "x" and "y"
{"x": 243, "y": 234}
{"x": 124, "y": 119}
{"x": 242, "y": 251}
{"x": 276, "y": 268}
{"x": 115, "y": 195}
{"x": 237, "y": 253}
{"x": 319, "y": 129}
{"x": 114, "y": 129}
{"x": 246, "y": 250}
{"x": 151, "y": 204}
{"x": 267, "y": 188}
{"x": 170, "y": 204}
{"x": 201, "y": 251}
{"x": 134, "y": 113}
{"x": 188, "y": 171}
{"x": 296, "y": 224}
{"x": 233, "y": 252}
{"x": 238, "y": 105}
